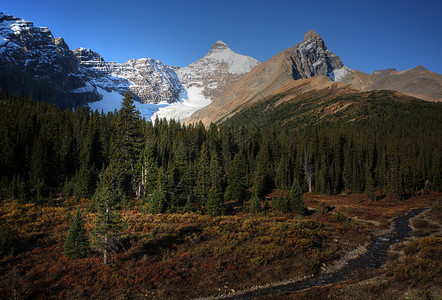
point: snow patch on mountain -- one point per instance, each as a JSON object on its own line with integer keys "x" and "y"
{"x": 112, "y": 100}
{"x": 191, "y": 100}
{"x": 339, "y": 74}
{"x": 237, "y": 63}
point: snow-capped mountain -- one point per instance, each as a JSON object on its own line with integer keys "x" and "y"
{"x": 149, "y": 80}
{"x": 33, "y": 62}
{"x": 207, "y": 78}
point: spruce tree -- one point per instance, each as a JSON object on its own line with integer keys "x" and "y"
{"x": 203, "y": 178}
{"x": 77, "y": 243}
{"x": 295, "y": 200}
{"x": 236, "y": 179}
{"x": 107, "y": 221}
{"x": 255, "y": 207}
{"x": 213, "y": 205}
{"x": 127, "y": 145}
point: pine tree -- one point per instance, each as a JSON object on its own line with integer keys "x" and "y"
{"x": 107, "y": 221}
{"x": 216, "y": 173}
{"x": 77, "y": 243}
{"x": 202, "y": 183}
{"x": 236, "y": 179}
{"x": 213, "y": 205}
{"x": 295, "y": 200}
{"x": 255, "y": 207}
{"x": 369, "y": 187}
{"x": 127, "y": 145}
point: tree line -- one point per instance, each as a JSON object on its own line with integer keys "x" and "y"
{"x": 170, "y": 167}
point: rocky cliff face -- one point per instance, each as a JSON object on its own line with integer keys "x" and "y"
{"x": 149, "y": 80}
{"x": 312, "y": 58}
{"x": 32, "y": 62}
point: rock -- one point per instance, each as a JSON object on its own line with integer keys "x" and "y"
{"x": 33, "y": 63}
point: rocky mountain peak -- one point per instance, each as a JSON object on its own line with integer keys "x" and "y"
{"x": 60, "y": 43}
{"x": 311, "y": 34}
{"x": 312, "y": 58}
{"x": 218, "y": 47}
{"x": 32, "y": 60}
{"x": 420, "y": 68}
{"x": 87, "y": 55}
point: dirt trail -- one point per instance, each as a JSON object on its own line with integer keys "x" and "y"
{"x": 373, "y": 258}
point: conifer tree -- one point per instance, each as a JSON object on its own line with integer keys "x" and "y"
{"x": 77, "y": 243}
{"x": 295, "y": 199}
{"x": 236, "y": 179}
{"x": 202, "y": 183}
{"x": 216, "y": 173}
{"x": 127, "y": 145}
{"x": 107, "y": 221}
{"x": 213, "y": 205}
{"x": 255, "y": 207}
{"x": 369, "y": 187}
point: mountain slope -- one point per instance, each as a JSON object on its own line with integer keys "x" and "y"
{"x": 310, "y": 67}
{"x": 418, "y": 82}
{"x": 206, "y": 79}
{"x": 33, "y": 62}
{"x": 149, "y": 80}
{"x": 307, "y": 59}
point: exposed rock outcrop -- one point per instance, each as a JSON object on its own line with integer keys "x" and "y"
{"x": 33, "y": 63}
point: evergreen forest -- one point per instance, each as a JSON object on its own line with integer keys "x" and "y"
{"x": 164, "y": 166}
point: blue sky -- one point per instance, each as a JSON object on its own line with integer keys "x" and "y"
{"x": 367, "y": 35}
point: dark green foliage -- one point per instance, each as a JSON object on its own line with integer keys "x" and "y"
{"x": 255, "y": 207}
{"x": 295, "y": 200}
{"x": 126, "y": 145}
{"x": 292, "y": 202}
{"x": 381, "y": 144}
{"x": 107, "y": 221}
{"x": 236, "y": 180}
{"x": 213, "y": 205}
{"x": 77, "y": 243}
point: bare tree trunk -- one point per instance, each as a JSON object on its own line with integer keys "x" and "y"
{"x": 105, "y": 250}
{"x": 308, "y": 170}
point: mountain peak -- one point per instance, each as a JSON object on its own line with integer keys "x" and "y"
{"x": 420, "y": 68}
{"x": 311, "y": 34}
{"x": 218, "y": 46}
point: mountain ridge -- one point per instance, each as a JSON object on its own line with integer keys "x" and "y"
{"x": 289, "y": 69}
{"x": 211, "y": 88}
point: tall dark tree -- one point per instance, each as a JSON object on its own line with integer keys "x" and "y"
{"x": 127, "y": 145}
{"x": 213, "y": 205}
{"x": 295, "y": 199}
{"x": 107, "y": 228}
{"x": 77, "y": 243}
{"x": 236, "y": 179}
{"x": 203, "y": 179}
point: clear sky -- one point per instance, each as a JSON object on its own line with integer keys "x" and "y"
{"x": 367, "y": 35}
